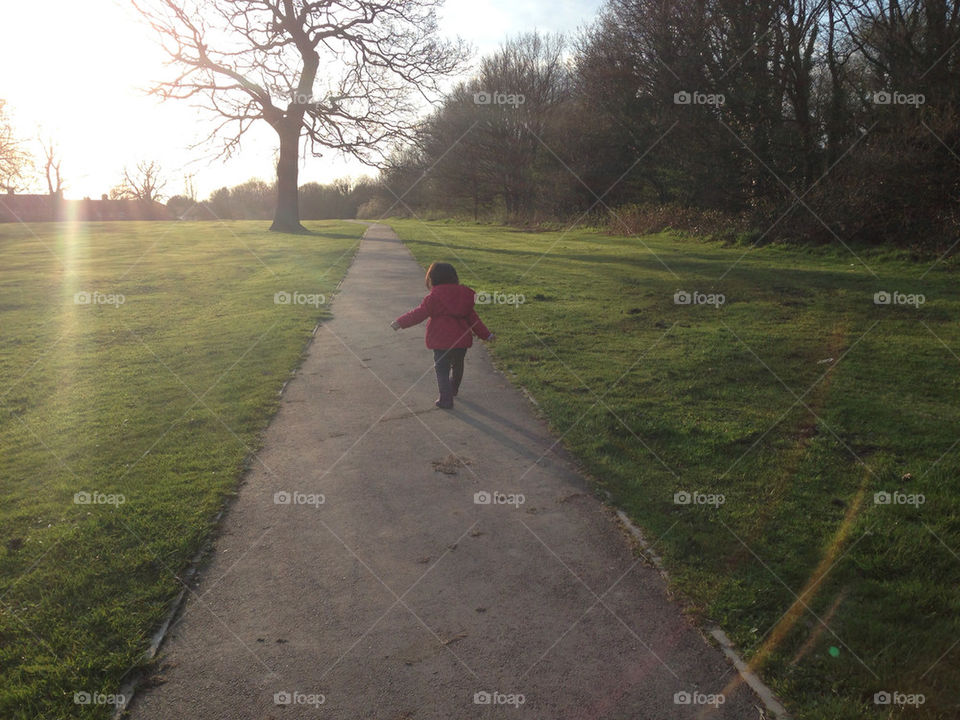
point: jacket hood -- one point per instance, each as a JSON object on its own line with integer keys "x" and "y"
{"x": 456, "y": 299}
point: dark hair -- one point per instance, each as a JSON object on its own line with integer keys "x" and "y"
{"x": 441, "y": 273}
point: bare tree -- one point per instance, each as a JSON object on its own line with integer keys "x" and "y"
{"x": 189, "y": 187}
{"x": 145, "y": 184}
{"x": 340, "y": 72}
{"x": 14, "y": 159}
{"x": 524, "y": 86}
{"x": 51, "y": 168}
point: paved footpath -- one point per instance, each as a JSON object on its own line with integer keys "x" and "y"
{"x": 399, "y": 596}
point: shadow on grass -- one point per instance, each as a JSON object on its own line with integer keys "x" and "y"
{"x": 680, "y": 264}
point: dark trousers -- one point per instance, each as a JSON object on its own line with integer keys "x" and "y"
{"x": 449, "y": 367}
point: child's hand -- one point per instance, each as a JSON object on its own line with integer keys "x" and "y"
{"x": 395, "y": 325}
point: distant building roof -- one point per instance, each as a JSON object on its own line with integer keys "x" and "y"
{"x": 25, "y": 208}
{"x": 44, "y": 208}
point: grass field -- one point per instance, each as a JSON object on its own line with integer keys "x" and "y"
{"x": 140, "y": 362}
{"x": 756, "y": 440}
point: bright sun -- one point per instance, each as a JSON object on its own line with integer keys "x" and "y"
{"x": 89, "y": 97}
{"x": 83, "y": 94}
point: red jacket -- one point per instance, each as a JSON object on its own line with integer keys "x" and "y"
{"x": 452, "y": 320}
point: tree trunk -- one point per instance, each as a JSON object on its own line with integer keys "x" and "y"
{"x": 476, "y": 202}
{"x": 835, "y": 121}
{"x": 287, "y": 215}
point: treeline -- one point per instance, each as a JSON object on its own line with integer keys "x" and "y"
{"x": 826, "y": 120}
{"x": 256, "y": 200}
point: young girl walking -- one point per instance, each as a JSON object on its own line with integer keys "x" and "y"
{"x": 451, "y": 324}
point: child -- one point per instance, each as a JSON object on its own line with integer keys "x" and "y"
{"x": 450, "y": 329}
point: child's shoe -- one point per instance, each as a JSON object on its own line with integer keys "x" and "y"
{"x": 444, "y": 402}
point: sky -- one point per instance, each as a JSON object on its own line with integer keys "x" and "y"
{"x": 89, "y": 97}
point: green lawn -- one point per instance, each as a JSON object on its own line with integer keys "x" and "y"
{"x": 796, "y": 399}
{"x": 151, "y": 403}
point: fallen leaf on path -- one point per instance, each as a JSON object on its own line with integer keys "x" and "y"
{"x": 449, "y": 464}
